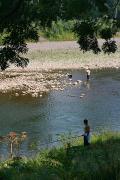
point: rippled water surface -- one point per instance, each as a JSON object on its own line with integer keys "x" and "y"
{"x": 63, "y": 111}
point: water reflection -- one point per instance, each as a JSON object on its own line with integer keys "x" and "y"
{"x": 87, "y": 84}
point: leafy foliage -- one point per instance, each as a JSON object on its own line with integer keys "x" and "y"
{"x": 89, "y": 43}
{"x": 88, "y": 30}
{"x": 106, "y": 33}
{"x": 49, "y": 10}
{"x": 80, "y": 9}
{"x": 109, "y": 47}
{"x": 102, "y": 22}
{"x": 60, "y": 30}
{"x": 18, "y": 27}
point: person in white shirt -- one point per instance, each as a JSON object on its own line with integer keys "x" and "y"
{"x": 88, "y": 73}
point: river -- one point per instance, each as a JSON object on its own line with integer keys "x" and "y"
{"x": 61, "y": 112}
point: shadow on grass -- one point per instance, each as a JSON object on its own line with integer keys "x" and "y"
{"x": 99, "y": 161}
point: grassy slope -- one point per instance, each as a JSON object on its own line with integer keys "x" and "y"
{"x": 101, "y": 161}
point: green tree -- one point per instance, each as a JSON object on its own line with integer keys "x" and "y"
{"x": 102, "y": 21}
{"x": 17, "y": 21}
{"x": 49, "y": 10}
{"x": 83, "y": 8}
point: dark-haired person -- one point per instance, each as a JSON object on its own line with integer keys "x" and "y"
{"x": 88, "y": 73}
{"x": 86, "y": 134}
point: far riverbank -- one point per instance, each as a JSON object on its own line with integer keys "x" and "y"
{"x": 67, "y": 55}
{"x": 48, "y": 60}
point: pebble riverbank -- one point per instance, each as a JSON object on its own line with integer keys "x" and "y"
{"x": 33, "y": 83}
{"x": 45, "y": 70}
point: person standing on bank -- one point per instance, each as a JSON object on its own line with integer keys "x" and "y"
{"x": 86, "y": 134}
{"x": 88, "y": 74}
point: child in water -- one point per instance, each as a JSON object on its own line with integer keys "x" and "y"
{"x": 86, "y": 134}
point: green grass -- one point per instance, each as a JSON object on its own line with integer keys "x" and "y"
{"x": 100, "y": 161}
{"x": 65, "y": 36}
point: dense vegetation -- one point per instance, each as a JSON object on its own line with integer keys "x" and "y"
{"x": 21, "y": 19}
{"x": 17, "y": 20}
{"x": 60, "y": 30}
{"x": 99, "y": 161}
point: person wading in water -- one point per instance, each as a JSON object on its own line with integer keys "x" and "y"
{"x": 88, "y": 73}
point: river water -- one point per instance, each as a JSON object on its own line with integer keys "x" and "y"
{"x": 61, "y": 112}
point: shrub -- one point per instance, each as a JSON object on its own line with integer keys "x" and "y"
{"x": 60, "y": 30}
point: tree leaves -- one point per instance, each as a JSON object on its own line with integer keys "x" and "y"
{"x": 88, "y": 31}
{"x": 109, "y": 47}
{"x": 18, "y": 25}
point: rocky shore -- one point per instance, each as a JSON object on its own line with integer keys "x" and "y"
{"x": 34, "y": 83}
{"x": 45, "y": 70}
